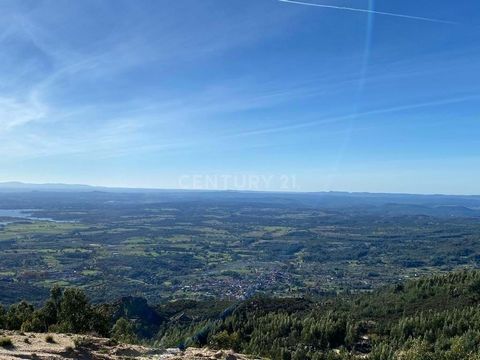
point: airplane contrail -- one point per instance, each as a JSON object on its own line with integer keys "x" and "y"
{"x": 340, "y": 118}
{"x": 411, "y": 17}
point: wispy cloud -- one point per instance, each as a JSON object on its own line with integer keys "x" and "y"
{"x": 346, "y": 8}
{"x": 136, "y": 85}
{"x": 14, "y": 112}
{"x": 381, "y": 111}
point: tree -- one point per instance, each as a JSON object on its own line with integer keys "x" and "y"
{"x": 419, "y": 351}
{"x": 224, "y": 340}
{"x": 75, "y": 311}
{"x": 124, "y": 331}
{"x": 36, "y": 323}
{"x": 3, "y": 317}
{"x": 18, "y": 314}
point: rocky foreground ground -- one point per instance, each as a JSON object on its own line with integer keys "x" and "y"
{"x": 37, "y": 346}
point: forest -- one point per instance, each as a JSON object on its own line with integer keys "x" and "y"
{"x": 436, "y": 317}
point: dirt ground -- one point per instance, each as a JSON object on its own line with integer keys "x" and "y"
{"x": 38, "y": 346}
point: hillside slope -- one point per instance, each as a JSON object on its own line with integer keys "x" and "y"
{"x": 432, "y": 318}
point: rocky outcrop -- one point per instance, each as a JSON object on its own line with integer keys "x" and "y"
{"x": 36, "y": 346}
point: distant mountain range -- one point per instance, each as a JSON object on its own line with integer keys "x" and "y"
{"x": 20, "y": 186}
{"x": 384, "y": 203}
{"x": 17, "y": 186}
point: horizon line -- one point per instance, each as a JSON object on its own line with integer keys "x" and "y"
{"x": 25, "y": 186}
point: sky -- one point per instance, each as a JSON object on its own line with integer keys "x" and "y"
{"x": 314, "y": 95}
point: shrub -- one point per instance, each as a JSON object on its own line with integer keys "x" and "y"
{"x": 224, "y": 340}
{"x": 49, "y": 339}
{"x": 124, "y": 331}
{"x": 5, "y": 342}
{"x": 111, "y": 342}
{"x": 82, "y": 342}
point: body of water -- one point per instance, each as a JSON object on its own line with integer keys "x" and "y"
{"x": 16, "y": 214}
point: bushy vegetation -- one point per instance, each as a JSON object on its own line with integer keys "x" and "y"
{"x": 50, "y": 339}
{"x": 124, "y": 331}
{"x": 67, "y": 311}
{"x": 434, "y": 318}
{"x": 5, "y": 342}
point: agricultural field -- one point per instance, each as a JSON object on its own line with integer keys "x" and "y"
{"x": 168, "y": 245}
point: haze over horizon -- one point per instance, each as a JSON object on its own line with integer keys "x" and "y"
{"x": 273, "y": 95}
{"x": 73, "y": 187}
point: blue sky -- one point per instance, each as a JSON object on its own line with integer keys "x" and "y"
{"x": 158, "y": 93}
